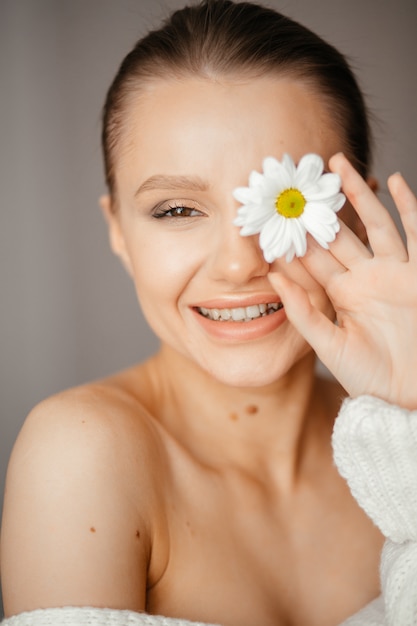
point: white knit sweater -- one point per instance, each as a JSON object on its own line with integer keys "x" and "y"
{"x": 375, "y": 449}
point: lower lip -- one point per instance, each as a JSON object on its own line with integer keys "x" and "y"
{"x": 242, "y": 331}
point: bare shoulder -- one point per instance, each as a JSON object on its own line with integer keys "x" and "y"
{"x": 101, "y": 414}
{"x": 99, "y": 428}
{"x": 82, "y": 501}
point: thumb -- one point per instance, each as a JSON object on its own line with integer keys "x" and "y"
{"x": 316, "y": 328}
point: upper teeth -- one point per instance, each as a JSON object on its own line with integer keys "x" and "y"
{"x": 241, "y": 314}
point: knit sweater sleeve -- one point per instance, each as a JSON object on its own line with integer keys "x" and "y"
{"x": 375, "y": 450}
{"x": 90, "y": 616}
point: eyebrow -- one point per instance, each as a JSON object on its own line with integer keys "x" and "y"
{"x": 160, "y": 181}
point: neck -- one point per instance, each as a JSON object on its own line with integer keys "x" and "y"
{"x": 269, "y": 429}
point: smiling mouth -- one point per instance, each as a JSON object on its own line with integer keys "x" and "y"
{"x": 241, "y": 314}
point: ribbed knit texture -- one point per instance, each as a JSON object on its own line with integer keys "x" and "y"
{"x": 87, "y": 616}
{"x": 375, "y": 449}
{"x": 372, "y": 615}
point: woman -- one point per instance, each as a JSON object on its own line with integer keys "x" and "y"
{"x": 200, "y": 485}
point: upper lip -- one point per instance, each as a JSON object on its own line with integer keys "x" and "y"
{"x": 235, "y": 302}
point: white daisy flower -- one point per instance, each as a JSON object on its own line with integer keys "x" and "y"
{"x": 286, "y": 202}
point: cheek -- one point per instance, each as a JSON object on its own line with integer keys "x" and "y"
{"x": 163, "y": 266}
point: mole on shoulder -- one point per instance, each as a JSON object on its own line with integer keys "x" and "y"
{"x": 92, "y": 529}
{"x": 234, "y": 417}
{"x": 251, "y": 409}
{"x": 137, "y": 534}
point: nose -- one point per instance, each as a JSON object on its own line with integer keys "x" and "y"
{"x": 236, "y": 259}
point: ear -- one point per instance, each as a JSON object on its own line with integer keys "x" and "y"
{"x": 116, "y": 237}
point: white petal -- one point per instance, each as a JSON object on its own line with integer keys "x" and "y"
{"x": 248, "y": 229}
{"x": 272, "y": 231}
{"x": 321, "y": 242}
{"x": 276, "y": 171}
{"x": 328, "y": 185}
{"x": 328, "y": 233}
{"x": 289, "y": 165}
{"x": 253, "y": 210}
{"x": 248, "y": 195}
{"x": 331, "y": 182}
{"x": 282, "y": 244}
{"x": 251, "y": 227}
{"x": 271, "y": 167}
{"x": 244, "y": 212}
{"x": 290, "y": 254}
{"x": 273, "y": 239}
{"x": 338, "y": 201}
{"x": 252, "y": 217}
{"x": 315, "y": 215}
{"x": 255, "y": 179}
{"x": 334, "y": 203}
{"x": 320, "y": 231}
{"x": 319, "y": 212}
{"x": 273, "y": 186}
{"x": 309, "y": 170}
{"x": 243, "y": 194}
{"x": 299, "y": 237}
{"x": 287, "y": 242}
{"x": 269, "y": 255}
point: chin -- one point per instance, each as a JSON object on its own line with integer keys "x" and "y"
{"x": 250, "y": 375}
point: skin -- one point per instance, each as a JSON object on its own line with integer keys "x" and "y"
{"x": 200, "y": 484}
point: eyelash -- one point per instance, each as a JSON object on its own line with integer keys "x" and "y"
{"x": 176, "y": 210}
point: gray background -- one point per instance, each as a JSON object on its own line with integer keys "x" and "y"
{"x": 67, "y": 311}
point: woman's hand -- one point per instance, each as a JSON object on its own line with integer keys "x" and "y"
{"x": 373, "y": 347}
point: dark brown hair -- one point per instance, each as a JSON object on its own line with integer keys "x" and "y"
{"x": 222, "y": 38}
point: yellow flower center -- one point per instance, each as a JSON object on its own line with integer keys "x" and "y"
{"x": 290, "y": 203}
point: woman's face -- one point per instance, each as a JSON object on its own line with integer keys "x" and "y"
{"x": 189, "y": 144}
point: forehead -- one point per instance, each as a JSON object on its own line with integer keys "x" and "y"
{"x": 194, "y": 124}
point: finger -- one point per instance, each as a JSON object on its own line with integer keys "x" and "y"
{"x": 344, "y": 253}
{"x": 384, "y": 238}
{"x": 406, "y": 203}
{"x": 321, "y": 264}
{"x": 347, "y": 248}
{"x": 320, "y": 332}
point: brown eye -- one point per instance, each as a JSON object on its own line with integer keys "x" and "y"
{"x": 177, "y": 211}
{"x": 183, "y": 211}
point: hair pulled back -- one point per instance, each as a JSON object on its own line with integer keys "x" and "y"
{"x": 222, "y": 38}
